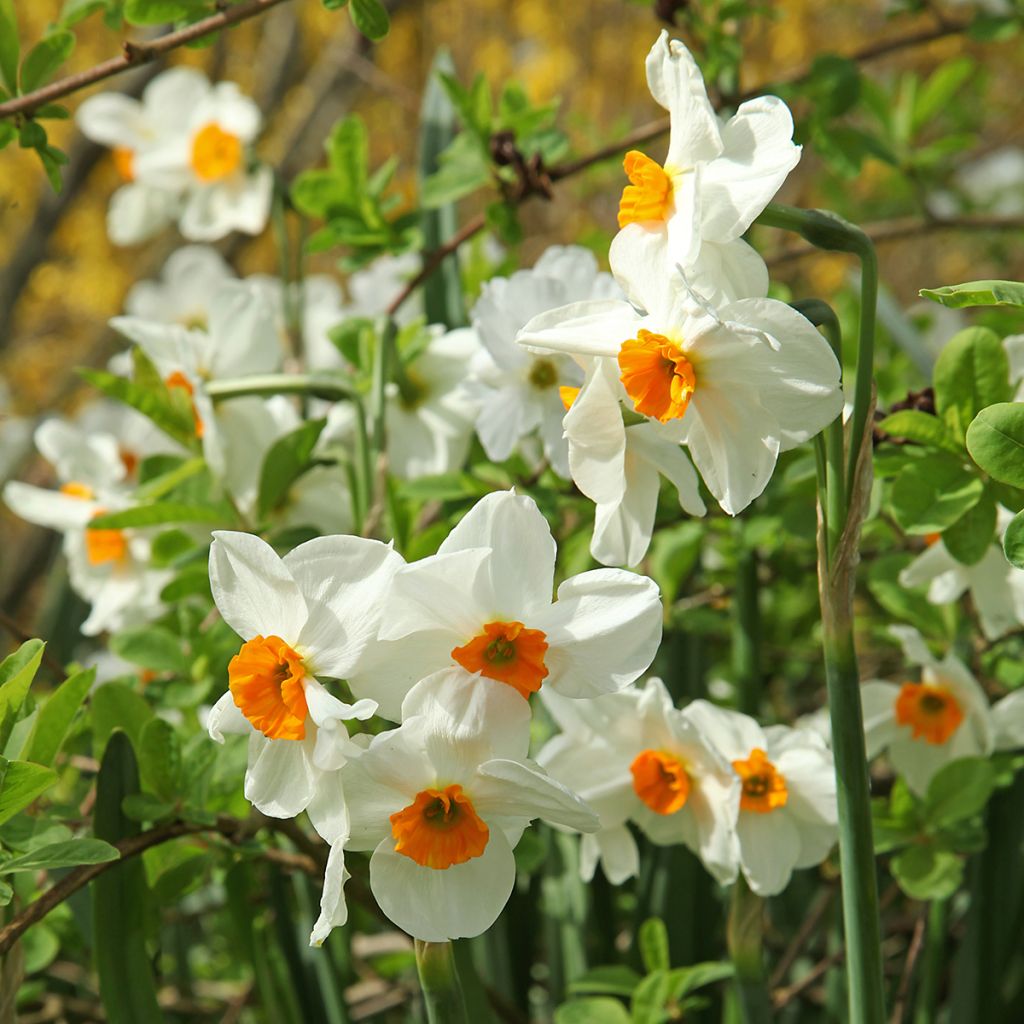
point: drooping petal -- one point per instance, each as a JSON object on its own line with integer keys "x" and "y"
{"x": 513, "y": 789}
{"x": 281, "y": 779}
{"x": 597, "y": 438}
{"x": 226, "y": 717}
{"x": 243, "y": 331}
{"x": 253, "y": 589}
{"x": 878, "y": 700}
{"x": 333, "y": 908}
{"x": 436, "y": 905}
{"x": 618, "y": 853}
{"x": 650, "y": 444}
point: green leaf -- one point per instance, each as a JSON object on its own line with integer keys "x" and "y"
{"x": 684, "y": 980}
{"x": 115, "y": 706}
{"x": 21, "y": 783}
{"x": 652, "y": 939}
{"x": 370, "y": 17}
{"x": 927, "y": 873}
{"x": 288, "y": 458}
{"x": 8, "y": 46}
{"x": 940, "y": 88}
{"x": 600, "y": 1010}
{"x": 160, "y": 759}
{"x": 996, "y": 442}
{"x": 68, "y": 854}
{"x": 1013, "y": 541}
{"x": 933, "y": 493}
{"x": 152, "y": 647}
{"x": 120, "y": 897}
{"x": 55, "y": 716}
{"x": 191, "y": 581}
{"x": 159, "y": 12}
{"x": 970, "y": 537}
{"x": 43, "y": 60}
{"x": 650, "y": 997}
{"x": 143, "y": 807}
{"x": 972, "y": 372}
{"x": 75, "y": 11}
{"x": 959, "y": 790}
{"x": 169, "y": 546}
{"x": 162, "y": 512}
{"x": 16, "y": 674}
{"x": 977, "y": 293}
{"x": 921, "y": 428}
{"x": 613, "y": 980}
{"x": 348, "y": 152}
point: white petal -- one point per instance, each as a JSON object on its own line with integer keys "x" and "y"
{"x": 878, "y": 700}
{"x": 281, "y": 779}
{"x": 769, "y": 850}
{"x": 436, "y": 905}
{"x": 597, "y": 327}
{"x": 48, "y": 508}
{"x": 112, "y": 119}
{"x": 649, "y": 443}
{"x": 253, "y": 589}
{"x": 1008, "y": 719}
{"x": 226, "y": 717}
{"x": 620, "y": 856}
{"x": 732, "y": 734}
{"x": 243, "y": 331}
{"x": 597, "y": 438}
{"x": 512, "y": 789}
{"x": 138, "y": 211}
{"x": 603, "y": 632}
{"x": 333, "y": 908}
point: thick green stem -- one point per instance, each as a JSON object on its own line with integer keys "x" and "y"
{"x": 931, "y": 969}
{"x": 745, "y": 932}
{"x": 439, "y": 979}
{"x": 281, "y": 384}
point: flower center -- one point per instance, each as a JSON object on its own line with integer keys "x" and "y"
{"x": 657, "y": 376}
{"x": 124, "y": 161}
{"x": 660, "y": 780}
{"x": 179, "y": 380}
{"x": 215, "y": 153}
{"x": 508, "y": 652}
{"x": 932, "y": 712}
{"x": 568, "y": 395}
{"x": 439, "y": 828}
{"x": 648, "y": 196}
{"x": 74, "y": 489}
{"x": 764, "y": 789}
{"x": 543, "y": 374}
{"x": 265, "y": 679}
{"x": 104, "y": 546}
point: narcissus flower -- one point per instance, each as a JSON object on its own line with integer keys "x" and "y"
{"x": 185, "y": 290}
{"x": 923, "y": 725}
{"x": 310, "y": 614}
{"x": 484, "y": 602}
{"x": 736, "y": 385}
{"x": 788, "y": 817}
{"x": 716, "y": 177}
{"x": 518, "y": 390}
{"x": 442, "y": 801}
{"x": 633, "y": 756}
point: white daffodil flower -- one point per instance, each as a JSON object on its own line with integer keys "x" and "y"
{"x": 519, "y": 391}
{"x": 184, "y": 292}
{"x": 205, "y": 161}
{"x": 944, "y": 717}
{"x": 441, "y": 801}
{"x": 372, "y": 289}
{"x": 995, "y": 586}
{"x": 141, "y": 207}
{"x": 15, "y": 435}
{"x": 109, "y": 568}
{"x": 736, "y": 385}
{"x": 484, "y": 602}
{"x": 788, "y": 816}
{"x": 430, "y": 423}
{"x": 634, "y": 756}
{"x": 310, "y": 614}
{"x": 717, "y": 177}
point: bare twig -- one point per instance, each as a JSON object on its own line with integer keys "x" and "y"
{"x": 804, "y": 932}
{"x": 135, "y": 54}
{"x": 22, "y": 635}
{"x": 916, "y": 944}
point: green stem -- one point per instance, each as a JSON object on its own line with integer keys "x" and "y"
{"x": 439, "y": 979}
{"x": 927, "y": 1000}
{"x": 282, "y": 384}
{"x": 745, "y": 932}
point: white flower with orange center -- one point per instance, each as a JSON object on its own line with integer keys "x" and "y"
{"x": 717, "y": 177}
{"x": 185, "y": 289}
{"x": 736, "y": 385}
{"x": 109, "y": 568}
{"x": 519, "y": 392}
{"x": 788, "y": 817}
{"x": 441, "y": 801}
{"x": 309, "y": 614}
{"x": 635, "y": 757}
{"x": 923, "y": 725}
{"x": 484, "y": 602}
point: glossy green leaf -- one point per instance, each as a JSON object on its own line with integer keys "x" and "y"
{"x": 921, "y": 428}
{"x": 160, "y": 12}
{"x": 75, "y": 11}
{"x": 613, "y": 980}
{"x": 16, "y": 674}
{"x": 970, "y": 537}
{"x": 286, "y": 460}
{"x": 972, "y": 372}
{"x": 162, "y": 512}
{"x": 1013, "y": 541}
{"x": 933, "y": 493}
{"x": 959, "y": 790}
{"x": 927, "y": 873}
{"x": 22, "y": 782}
{"x": 68, "y": 854}
{"x": 995, "y": 440}
{"x": 127, "y": 987}
{"x": 652, "y": 939}
{"x": 599, "y": 1010}
{"x": 370, "y": 17}
{"x": 54, "y": 718}
{"x": 160, "y": 759}
{"x": 977, "y": 293}
{"x": 115, "y": 706}
{"x": 43, "y": 60}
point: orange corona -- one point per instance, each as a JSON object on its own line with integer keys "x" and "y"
{"x": 124, "y": 161}
{"x": 932, "y": 712}
{"x": 508, "y": 652}
{"x": 439, "y": 828}
{"x": 657, "y": 376}
{"x": 648, "y": 196}
{"x": 104, "y": 546}
{"x": 179, "y": 380}
{"x": 216, "y": 154}
{"x": 661, "y": 781}
{"x": 568, "y": 395}
{"x": 764, "y": 788}
{"x": 74, "y": 489}
{"x": 265, "y": 679}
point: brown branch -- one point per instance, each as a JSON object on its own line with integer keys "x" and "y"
{"x": 914, "y": 951}
{"x": 21, "y": 635}
{"x": 135, "y": 54}
{"x": 805, "y": 931}
{"x": 232, "y": 829}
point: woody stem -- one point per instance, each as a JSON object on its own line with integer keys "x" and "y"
{"x": 439, "y": 980}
